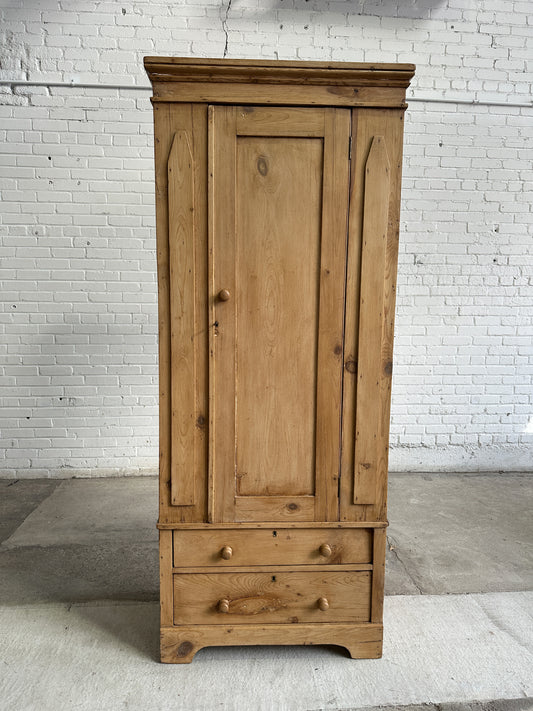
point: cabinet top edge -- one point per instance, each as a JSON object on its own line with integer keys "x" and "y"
{"x": 182, "y": 69}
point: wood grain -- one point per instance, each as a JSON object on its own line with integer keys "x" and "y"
{"x": 378, "y": 575}
{"x": 278, "y": 597}
{"x": 222, "y": 326}
{"x": 371, "y": 316}
{"x": 331, "y": 312}
{"x": 365, "y": 125}
{"x": 351, "y": 568}
{"x": 247, "y": 525}
{"x": 277, "y": 344}
{"x": 274, "y": 508}
{"x": 272, "y": 547}
{"x": 183, "y": 326}
{"x": 279, "y": 195}
{"x": 165, "y": 577}
{"x": 290, "y": 121}
{"x": 191, "y": 120}
{"x": 162, "y": 142}
{"x": 279, "y": 94}
{"x": 180, "y": 644}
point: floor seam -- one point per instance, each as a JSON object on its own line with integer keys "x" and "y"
{"x": 393, "y": 548}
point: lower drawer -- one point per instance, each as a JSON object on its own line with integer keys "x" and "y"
{"x": 276, "y": 596}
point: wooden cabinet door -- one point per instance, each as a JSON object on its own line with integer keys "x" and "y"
{"x": 278, "y": 206}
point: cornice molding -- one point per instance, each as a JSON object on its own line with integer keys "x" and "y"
{"x": 244, "y": 71}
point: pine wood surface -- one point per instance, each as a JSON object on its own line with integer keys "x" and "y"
{"x": 272, "y": 547}
{"x": 366, "y": 124}
{"x": 272, "y": 524}
{"x": 279, "y": 94}
{"x": 192, "y": 121}
{"x": 277, "y": 220}
{"x": 180, "y": 644}
{"x": 277, "y": 596}
{"x": 373, "y": 255}
{"x": 183, "y": 320}
{"x": 276, "y": 347}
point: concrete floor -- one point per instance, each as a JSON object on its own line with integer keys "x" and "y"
{"x": 78, "y": 610}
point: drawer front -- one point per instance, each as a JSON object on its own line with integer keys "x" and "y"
{"x": 272, "y": 546}
{"x": 286, "y": 597}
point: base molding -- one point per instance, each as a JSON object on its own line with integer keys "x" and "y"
{"x": 180, "y": 644}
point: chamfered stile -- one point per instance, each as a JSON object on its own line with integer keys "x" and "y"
{"x": 366, "y": 124}
{"x": 182, "y": 319}
{"x": 373, "y": 258}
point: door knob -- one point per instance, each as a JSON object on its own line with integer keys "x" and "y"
{"x": 224, "y": 295}
{"x": 323, "y": 603}
{"x": 226, "y": 552}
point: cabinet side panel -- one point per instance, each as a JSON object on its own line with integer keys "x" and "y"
{"x": 190, "y": 123}
{"x": 367, "y": 124}
{"x": 162, "y": 144}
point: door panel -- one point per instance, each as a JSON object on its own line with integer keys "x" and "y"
{"x": 277, "y": 277}
{"x": 278, "y": 199}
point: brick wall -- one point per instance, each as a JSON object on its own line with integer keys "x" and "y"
{"x": 78, "y": 324}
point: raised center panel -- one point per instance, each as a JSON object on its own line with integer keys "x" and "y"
{"x": 277, "y": 244}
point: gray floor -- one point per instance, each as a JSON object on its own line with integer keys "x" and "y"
{"x": 78, "y": 592}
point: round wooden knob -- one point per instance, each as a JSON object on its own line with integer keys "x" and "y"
{"x": 226, "y": 552}
{"x": 323, "y": 603}
{"x": 325, "y": 550}
{"x": 223, "y": 605}
{"x": 224, "y": 295}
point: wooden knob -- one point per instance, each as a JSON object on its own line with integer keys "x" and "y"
{"x": 226, "y": 552}
{"x": 323, "y": 603}
{"x": 224, "y": 295}
{"x": 325, "y": 550}
{"x": 223, "y": 605}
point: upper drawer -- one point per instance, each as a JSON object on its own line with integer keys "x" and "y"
{"x": 272, "y": 546}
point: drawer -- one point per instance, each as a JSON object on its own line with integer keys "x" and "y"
{"x": 272, "y": 546}
{"x": 277, "y": 596}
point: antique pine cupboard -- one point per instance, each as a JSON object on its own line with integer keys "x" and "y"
{"x": 277, "y": 187}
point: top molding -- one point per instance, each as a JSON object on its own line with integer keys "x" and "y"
{"x": 283, "y": 82}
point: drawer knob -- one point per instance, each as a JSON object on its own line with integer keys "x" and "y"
{"x": 224, "y": 295}
{"x": 325, "y": 550}
{"x": 226, "y": 552}
{"x": 323, "y": 603}
{"x": 223, "y": 605}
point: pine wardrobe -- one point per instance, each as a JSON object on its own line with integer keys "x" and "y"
{"x": 277, "y": 198}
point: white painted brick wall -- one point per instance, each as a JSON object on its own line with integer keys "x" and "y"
{"x": 78, "y": 322}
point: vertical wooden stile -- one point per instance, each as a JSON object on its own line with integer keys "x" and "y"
{"x": 370, "y": 366}
{"x": 165, "y": 578}
{"x": 222, "y": 329}
{"x": 182, "y": 319}
{"x": 378, "y": 574}
{"x": 331, "y": 317}
{"x": 162, "y": 137}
